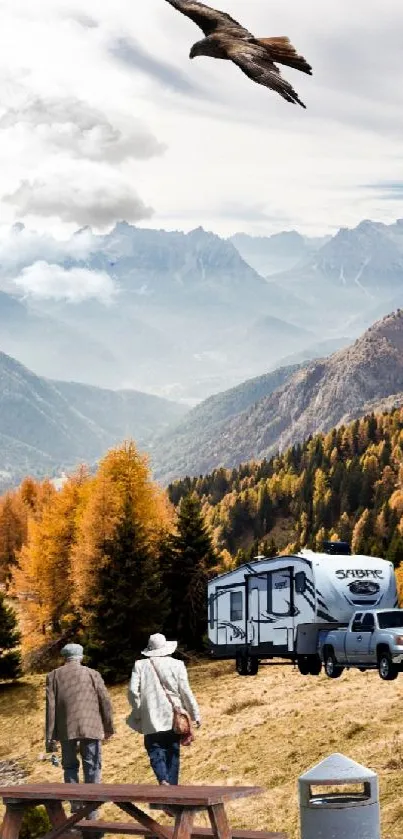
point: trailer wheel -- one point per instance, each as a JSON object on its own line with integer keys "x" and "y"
{"x": 387, "y": 670}
{"x": 240, "y": 665}
{"x": 315, "y": 665}
{"x": 332, "y": 669}
{"x": 304, "y": 665}
{"x": 252, "y": 665}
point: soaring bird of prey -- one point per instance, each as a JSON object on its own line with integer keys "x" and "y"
{"x": 225, "y": 38}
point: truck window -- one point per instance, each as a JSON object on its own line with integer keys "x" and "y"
{"x": 236, "y": 606}
{"x": 390, "y": 620}
{"x": 300, "y": 582}
{"x": 211, "y": 610}
{"x": 368, "y": 621}
{"x": 357, "y": 625}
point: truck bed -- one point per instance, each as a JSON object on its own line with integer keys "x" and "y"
{"x": 307, "y": 636}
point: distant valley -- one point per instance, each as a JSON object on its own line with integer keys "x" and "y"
{"x": 207, "y": 351}
{"x": 255, "y": 420}
{"x": 47, "y": 427}
{"x": 188, "y": 315}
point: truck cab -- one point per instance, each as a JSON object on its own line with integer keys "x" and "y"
{"x": 373, "y": 639}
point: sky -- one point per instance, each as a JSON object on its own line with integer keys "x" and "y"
{"x": 103, "y": 117}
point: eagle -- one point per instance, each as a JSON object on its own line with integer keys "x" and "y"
{"x": 257, "y": 57}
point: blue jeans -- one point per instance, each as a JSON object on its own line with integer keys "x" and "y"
{"x": 91, "y": 757}
{"x": 163, "y": 749}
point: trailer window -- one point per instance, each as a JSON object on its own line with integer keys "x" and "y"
{"x": 300, "y": 582}
{"x": 211, "y": 609}
{"x": 236, "y": 606}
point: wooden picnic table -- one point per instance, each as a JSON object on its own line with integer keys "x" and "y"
{"x": 186, "y": 801}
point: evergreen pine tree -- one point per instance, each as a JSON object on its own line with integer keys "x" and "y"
{"x": 10, "y": 661}
{"x": 240, "y": 558}
{"x": 271, "y": 548}
{"x": 191, "y": 558}
{"x": 130, "y": 603}
{"x": 12, "y": 534}
{"x": 394, "y": 552}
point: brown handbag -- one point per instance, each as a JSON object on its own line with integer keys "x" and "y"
{"x": 181, "y": 723}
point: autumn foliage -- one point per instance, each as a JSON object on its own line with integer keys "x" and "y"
{"x": 111, "y": 557}
{"x": 90, "y": 561}
{"x": 347, "y": 484}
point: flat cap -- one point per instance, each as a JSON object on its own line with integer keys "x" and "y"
{"x": 72, "y": 651}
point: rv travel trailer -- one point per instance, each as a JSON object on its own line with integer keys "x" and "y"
{"x": 276, "y": 607}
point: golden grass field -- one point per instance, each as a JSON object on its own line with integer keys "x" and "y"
{"x": 265, "y": 730}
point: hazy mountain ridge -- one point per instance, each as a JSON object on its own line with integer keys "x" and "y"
{"x": 50, "y": 343}
{"x": 279, "y": 252}
{"x": 183, "y": 315}
{"x": 188, "y": 298}
{"x": 317, "y": 397}
{"x": 190, "y": 445}
{"x": 368, "y": 256}
{"x": 353, "y": 278}
{"x": 47, "y": 426}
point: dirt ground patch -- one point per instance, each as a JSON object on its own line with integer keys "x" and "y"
{"x": 266, "y": 730}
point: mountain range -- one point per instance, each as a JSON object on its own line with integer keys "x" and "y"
{"x": 276, "y": 253}
{"x": 106, "y": 327}
{"x": 186, "y": 315}
{"x": 271, "y": 413}
{"x": 357, "y": 276}
{"x": 47, "y": 427}
{"x": 189, "y": 299}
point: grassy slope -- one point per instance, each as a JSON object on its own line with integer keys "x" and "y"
{"x": 264, "y": 731}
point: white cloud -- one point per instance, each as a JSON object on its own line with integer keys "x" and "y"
{"x": 45, "y": 281}
{"x": 116, "y": 85}
{"x": 20, "y": 247}
{"x": 72, "y": 126}
{"x": 98, "y": 198}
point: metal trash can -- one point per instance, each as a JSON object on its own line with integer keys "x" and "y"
{"x": 345, "y": 814}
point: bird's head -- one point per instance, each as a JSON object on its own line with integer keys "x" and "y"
{"x": 197, "y": 49}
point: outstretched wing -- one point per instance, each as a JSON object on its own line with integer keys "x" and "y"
{"x": 254, "y": 61}
{"x": 209, "y": 20}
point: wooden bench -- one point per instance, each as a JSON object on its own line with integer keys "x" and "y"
{"x": 128, "y": 828}
{"x": 183, "y": 803}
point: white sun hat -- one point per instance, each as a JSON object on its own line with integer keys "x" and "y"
{"x": 159, "y": 646}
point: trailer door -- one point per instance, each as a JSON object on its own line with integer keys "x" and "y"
{"x": 280, "y": 606}
{"x": 254, "y": 616}
{"x": 213, "y": 617}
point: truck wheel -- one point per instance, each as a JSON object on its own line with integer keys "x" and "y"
{"x": 315, "y": 665}
{"x": 332, "y": 669}
{"x": 241, "y": 665}
{"x": 304, "y": 665}
{"x": 387, "y": 670}
{"x": 252, "y": 665}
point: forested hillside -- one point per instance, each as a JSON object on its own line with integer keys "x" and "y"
{"x": 315, "y": 398}
{"x": 80, "y": 562}
{"x": 346, "y": 484}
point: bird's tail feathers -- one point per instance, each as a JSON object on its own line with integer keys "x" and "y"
{"x": 283, "y": 52}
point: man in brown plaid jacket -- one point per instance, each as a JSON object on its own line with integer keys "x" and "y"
{"x": 78, "y": 715}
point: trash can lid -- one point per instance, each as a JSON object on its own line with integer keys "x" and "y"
{"x": 338, "y": 768}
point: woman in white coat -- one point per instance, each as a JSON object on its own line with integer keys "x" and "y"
{"x": 156, "y": 682}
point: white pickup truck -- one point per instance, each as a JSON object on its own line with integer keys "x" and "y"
{"x": 372, "y": 640}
